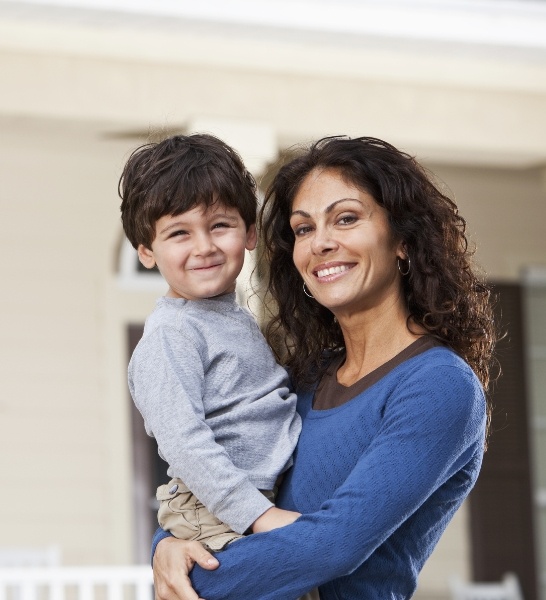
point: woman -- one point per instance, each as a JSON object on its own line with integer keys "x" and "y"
{"x": 388, "y": 335}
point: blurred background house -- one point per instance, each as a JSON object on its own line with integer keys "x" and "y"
{"x": 460, "y": 84}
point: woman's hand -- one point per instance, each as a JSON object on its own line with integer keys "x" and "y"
{"x": 173, "y": 561}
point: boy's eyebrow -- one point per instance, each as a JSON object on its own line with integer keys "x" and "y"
{"x": 225, "y": 217}
{"x": 328, "y": 209}
{"x": 176, "y": 224}
{"x": 172, "y": 226}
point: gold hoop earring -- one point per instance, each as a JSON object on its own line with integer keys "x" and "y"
{"x": 406, "y": 272}
{"x": 306, "y": 292}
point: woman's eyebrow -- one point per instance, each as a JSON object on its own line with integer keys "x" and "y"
{"x": 328, "y": 209}
{"x": 300, "y": 212}
{"x": 331, "y": 207}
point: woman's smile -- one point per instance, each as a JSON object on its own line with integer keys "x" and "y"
{"x": 326, "y": 273}
{"x": 344, "y": 248}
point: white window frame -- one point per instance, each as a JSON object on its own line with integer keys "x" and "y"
{"x": 131, "y": 279}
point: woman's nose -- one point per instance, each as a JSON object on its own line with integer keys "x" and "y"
{"x": 322, "y": 241}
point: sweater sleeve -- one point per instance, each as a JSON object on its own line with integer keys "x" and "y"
{"x": 166, "y": 383}
{"x": 425, "y": 438}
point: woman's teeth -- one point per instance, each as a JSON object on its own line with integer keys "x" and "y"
{"x": 332, "y": 270}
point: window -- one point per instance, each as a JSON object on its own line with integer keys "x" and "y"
{"x": 132, "y": 275}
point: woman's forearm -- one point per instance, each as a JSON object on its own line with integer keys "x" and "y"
{"x": 159, "y": 534}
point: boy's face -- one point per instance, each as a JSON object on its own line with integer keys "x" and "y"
{"x": 200, "y": 252}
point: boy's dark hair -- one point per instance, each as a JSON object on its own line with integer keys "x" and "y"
{"x": 176, "y": 175}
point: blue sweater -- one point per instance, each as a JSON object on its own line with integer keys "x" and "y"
{"x": 377, "y": 478}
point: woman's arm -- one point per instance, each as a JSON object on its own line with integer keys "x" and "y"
{"x": 424, "y": 439}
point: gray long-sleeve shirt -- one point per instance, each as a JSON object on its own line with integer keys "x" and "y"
{"x": 217, "y": 403}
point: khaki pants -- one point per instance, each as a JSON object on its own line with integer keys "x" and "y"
{"x": 181, "y": 513}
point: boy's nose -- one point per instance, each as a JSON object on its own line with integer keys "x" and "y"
{"x": 203, "y": 244}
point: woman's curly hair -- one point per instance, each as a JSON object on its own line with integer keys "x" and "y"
{"x": 443, "y": 293}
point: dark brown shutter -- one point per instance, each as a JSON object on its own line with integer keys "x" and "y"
{"x": 501, "y": 503}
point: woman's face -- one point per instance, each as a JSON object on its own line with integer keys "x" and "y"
{"x": 344, "y": 248}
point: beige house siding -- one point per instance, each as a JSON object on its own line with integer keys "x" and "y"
{"x": 506, "y": 215}
{"x": 66, "y": 103}
{"x": 64, "y": 438}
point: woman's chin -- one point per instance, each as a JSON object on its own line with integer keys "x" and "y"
{"x": 334, "y": 304}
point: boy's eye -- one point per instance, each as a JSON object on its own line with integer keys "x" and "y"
{"x": 220, "y": 225}
{"x": 178, "y": 232}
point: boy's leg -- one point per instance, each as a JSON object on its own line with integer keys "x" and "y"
{"x": 181, "y": 513}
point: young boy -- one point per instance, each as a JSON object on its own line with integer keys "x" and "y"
{"x": 202, "y": 376}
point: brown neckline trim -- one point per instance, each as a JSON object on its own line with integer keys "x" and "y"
{"x": 330, "y": 393}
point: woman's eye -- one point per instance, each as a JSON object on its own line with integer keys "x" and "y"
{"x": 301, "y": 230}
{"x": 347, "y": 219}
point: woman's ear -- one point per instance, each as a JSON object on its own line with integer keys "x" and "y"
{"x": 401, "y": 251}
{"x": 146, "y": 256}
{"x": 251, "y": 238}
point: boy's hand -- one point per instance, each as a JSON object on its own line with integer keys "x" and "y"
{"x": 173, "y": 561}
{"x": 273, "y": 519}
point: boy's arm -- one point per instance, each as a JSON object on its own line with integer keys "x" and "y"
{"x": 166, "y": 381}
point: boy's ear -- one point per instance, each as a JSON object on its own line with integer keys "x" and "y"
{"x": 251, "y": 238}
{"x": 146, "y": 256}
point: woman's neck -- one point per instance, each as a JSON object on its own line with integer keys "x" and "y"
{"x": 372, "y": 338}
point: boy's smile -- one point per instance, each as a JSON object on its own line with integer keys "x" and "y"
{"x": 200, "y": 252}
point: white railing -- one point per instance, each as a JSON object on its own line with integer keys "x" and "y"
{"x": 133, "y": 582}
{"x": 31, "y": 556}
